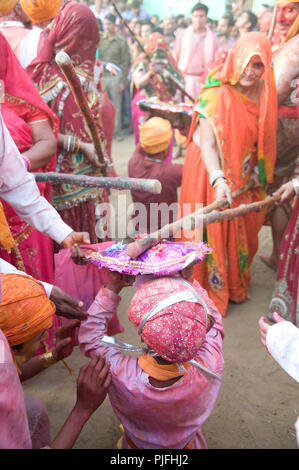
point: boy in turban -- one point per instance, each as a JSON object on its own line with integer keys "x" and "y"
{"x": 148, "y": 161}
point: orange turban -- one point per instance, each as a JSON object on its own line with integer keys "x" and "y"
{"x": 41, "y": 10}
{"x": 6, "y": 238}
{"x": 25, "y": 308}
{"x": 7, "y": 5}
{"x": 155, "y": 135}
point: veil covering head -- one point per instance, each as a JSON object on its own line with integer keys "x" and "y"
{"x": 177, "y": 332}
{"x": 215, "y": 106}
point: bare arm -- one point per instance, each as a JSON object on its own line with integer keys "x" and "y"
{"x": 44, "y": 145}
{"x": 141, "y": 78}
{"x": 211, "y": 159}
{"x": 286, "y": 68}
{"x": 92, "y": 386}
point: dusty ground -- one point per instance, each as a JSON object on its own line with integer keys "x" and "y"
{"x": 258, "y": 402}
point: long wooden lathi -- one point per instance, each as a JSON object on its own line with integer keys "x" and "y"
{"x": 120, "y": 183}
{"x": 200, "y": 218}
{"x": 64, "y": 62}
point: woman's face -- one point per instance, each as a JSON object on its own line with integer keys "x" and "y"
{"x": 253, "y": 72}
{"x": 28, "y": 349}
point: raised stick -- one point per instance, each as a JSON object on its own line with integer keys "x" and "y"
{"x": 120, "y": 183}
{"x": 193, "y": 221}
{"x": 135, "y": 38}
{"x": 272, "y": 27}
{"x": 64, "y": 62}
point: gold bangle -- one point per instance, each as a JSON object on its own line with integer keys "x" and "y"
{"x": 218, "y": 183}
{"x": 47, "y": 360}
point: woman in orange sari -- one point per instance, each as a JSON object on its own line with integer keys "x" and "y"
{"x": 234, "y": 143}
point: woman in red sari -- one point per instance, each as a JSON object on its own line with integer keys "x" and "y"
{"x": 34, "y": 128}
{"x": 75, "y": 31}
{"x": 237, "y": 111}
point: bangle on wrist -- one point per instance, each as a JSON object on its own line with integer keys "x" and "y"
{"x": 295, "y": 182}
{"x": 214, "y": 175}
{"x": 219, "y": 182}
{"x": 47, "y": 360}
{"x": 27, "y": 162}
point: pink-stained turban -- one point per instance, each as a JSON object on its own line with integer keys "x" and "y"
{"x": 176, "y": 332}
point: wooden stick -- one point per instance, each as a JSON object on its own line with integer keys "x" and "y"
{"x": 273, "y": 22}
{"x": 139, "y": 246}
{"x": 120, "y": 183}
{"x": 177, "y": 84}
{"x": 64, "y": 62}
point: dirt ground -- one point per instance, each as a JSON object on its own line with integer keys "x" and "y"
{"x": 258, "y": 402}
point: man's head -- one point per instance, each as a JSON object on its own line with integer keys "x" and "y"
{"x": 225, "y": 25}
{"x": 261, "y": 10}
{"x": 199, "y": 17}
{"x": 6, "y": 6}
{"x": 135, "y": 7}
{"x": 155, "y": 137}
{"x": 168, "y": 25}
{"x": 247, "y": 21}
{"x": 16, "y": 13}
{"x": 146, "y": 29}
{"x": 286, "y": 15}
{"x": 110, "y": 24}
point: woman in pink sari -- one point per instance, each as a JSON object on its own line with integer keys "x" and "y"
{"x": 34, "y": 129}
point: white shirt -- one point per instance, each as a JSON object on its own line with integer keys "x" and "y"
{"x": 283, "y": 344}
{"x": 29, "y": 45}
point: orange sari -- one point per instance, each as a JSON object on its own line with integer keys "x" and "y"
{"x": 245, "y": 134}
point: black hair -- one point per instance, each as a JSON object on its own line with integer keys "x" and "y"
{"x": 200, "y": 6}
{"x": 252, "y": 19}
{"x": 111, "y": 17}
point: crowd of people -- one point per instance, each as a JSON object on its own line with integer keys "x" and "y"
{"x": 238, "y": 79}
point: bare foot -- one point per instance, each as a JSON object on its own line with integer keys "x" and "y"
{"x": 269, "y": 261}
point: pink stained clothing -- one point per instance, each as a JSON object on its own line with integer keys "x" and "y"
{"x": 169, "y": 174}
{"x": 14, "y": 429}
{"x": 155, "y": 418}
{"x": 138, "y": 117}
{"x": 83, "y": 282}
{"x": 194, "y": 55}
{"x": 14, "y": 32}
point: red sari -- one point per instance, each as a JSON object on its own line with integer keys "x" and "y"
{"x": 33, "y": 251}
{"x": 245, "y": 134}
{"x": 74, "y": 30}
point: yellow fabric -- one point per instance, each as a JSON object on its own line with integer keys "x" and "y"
{"x": 155, "y": 135}
{"x": 286, "y": 2}
{"x": 25, "y": 309}
{"x": 6, "y": 238}
{"x": 7, "y": 5}
{"x": 294, "y": 29}
{"x": 41, "y": 10}
{"x": 160, "y": 371}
